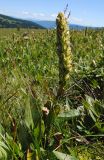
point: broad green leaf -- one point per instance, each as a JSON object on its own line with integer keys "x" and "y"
{"x": 70, "y": 114}
{"x": 3, "y": 154}
{"x": 3, "y": 151}
{"x": 28, "y": 114}
{"x": 2, "y": 144}
{"x": 89, "y": 103}
{"x": 24, "y": 135}
{"x": 63, "y": 156}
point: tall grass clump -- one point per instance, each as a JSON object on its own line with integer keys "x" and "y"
{"x": 63, "y": 50}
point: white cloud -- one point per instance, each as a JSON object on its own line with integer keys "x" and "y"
{"x": 42, "y": 14}
{"x": 2, "y": 11}
{"x": 76, "y": 20}
{"x": 34, "y": 14}
{"x": 53, "y": 15}
{"x": 30, "y": 15}
{"x": 39, "y": 16}
{"x": 25, "y": 13}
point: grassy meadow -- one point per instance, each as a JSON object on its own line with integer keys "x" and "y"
{"x": 36, "y": 123}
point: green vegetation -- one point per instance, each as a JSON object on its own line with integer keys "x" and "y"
{"x": 9, "y": 22}
{"x": 36, "y": 122}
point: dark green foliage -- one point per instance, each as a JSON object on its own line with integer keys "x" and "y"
{"x": 28, "y": 90}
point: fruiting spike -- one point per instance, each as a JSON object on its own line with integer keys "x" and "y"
{"x": 63, "y": 50}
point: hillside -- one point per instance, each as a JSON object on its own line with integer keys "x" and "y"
{"x": 9, "y": 22}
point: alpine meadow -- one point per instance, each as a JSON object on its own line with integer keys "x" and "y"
{"x": 51, "y": 92}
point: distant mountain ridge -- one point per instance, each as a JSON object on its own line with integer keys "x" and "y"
{"x": 52, "y": 24}
{"x": 47, "y": 24}
{"x": 10, "y": 22}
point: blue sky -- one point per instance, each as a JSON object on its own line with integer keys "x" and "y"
{"x": 84, "y": 12}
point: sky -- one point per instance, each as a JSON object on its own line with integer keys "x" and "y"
{"x": 83, "y": 12}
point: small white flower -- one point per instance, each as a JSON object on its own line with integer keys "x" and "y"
{"x": 45, "y": 110}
